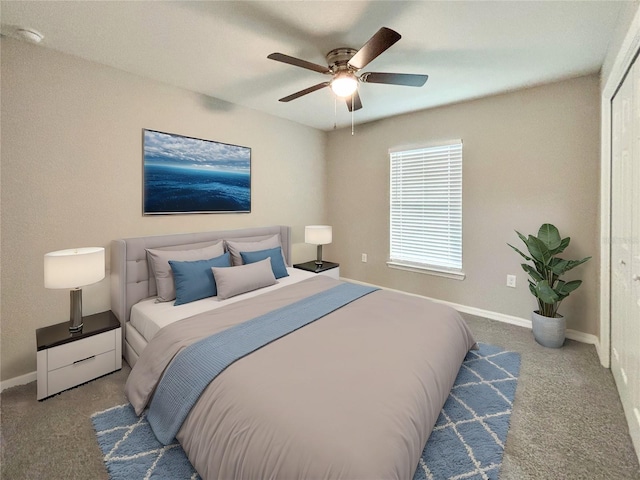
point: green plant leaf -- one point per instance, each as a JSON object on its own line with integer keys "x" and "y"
{"x": 575, "y": 263}
{"x": 558, "y": 289}
{"x": 563, "y": 244}
{"x": 532, "y": 272}
{"x": 558, "y": 265}
{"x": 549, "y": 235}
{"x": 566, "y": 288}
{"x": 538, "y": 250}
{"x": 522, "y": 237}
{"x": 525, "y": 257}
{"x": 545, "y": 293}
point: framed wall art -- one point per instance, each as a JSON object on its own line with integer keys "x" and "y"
{"x": 190, "y": 175}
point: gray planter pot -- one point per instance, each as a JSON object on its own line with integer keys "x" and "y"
{"x": 548, "y": 332}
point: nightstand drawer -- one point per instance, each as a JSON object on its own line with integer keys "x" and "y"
{"x": 65, "y": 355}
{"x": 81, "y": 372}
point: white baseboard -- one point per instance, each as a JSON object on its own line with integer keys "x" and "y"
{"x": 15, "y": 381}
{"x": 500, "y": 317}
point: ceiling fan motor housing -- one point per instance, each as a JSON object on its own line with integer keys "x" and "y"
{"x": 338, "y": 59}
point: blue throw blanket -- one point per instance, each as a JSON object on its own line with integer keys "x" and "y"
{"x": 182, "y": 384}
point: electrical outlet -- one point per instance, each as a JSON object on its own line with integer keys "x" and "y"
{"x": 364, "y": 258}
{"x": 511, "y": 281}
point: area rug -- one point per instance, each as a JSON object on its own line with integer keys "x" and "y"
{"x": 467, "y": 441}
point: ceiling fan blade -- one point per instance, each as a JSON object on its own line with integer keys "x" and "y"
{"x": 356, "y": 105}
{"x": 296, "y": 62}
{"x": 381, "y": 40}
{"x": 406, "y": 79}
{"x": 299, "y": 94}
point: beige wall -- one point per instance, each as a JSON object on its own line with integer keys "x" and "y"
{"x": 71, "y": 134}
{"x": 529, "y": 157}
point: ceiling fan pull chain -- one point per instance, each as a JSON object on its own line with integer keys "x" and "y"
{"x": 352, "y": 97}
{"x": 335, "y": 112}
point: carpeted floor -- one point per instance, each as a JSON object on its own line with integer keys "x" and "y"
{"x": 567, "y": 420}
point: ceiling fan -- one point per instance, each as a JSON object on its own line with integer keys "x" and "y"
{"x": 344, "y": 63}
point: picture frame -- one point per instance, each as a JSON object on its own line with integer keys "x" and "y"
{"x": 185, "y": 175}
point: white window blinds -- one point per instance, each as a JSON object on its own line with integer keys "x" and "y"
{"x": 426, "y": 207}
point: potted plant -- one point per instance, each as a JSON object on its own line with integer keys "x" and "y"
{"x": 545, "y": 283}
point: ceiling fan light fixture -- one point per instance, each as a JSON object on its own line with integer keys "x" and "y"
{"x": 344, "y": 84}
{"x": 29, "y": 34}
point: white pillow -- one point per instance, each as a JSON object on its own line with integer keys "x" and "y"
{"x": 232, "y": 281}
{"x": 159, "y": 262}
{"x": 235, "y": 247}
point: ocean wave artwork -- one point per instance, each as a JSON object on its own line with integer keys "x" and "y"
{"x": 190, "y": 175}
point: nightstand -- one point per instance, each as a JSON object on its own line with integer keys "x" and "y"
{"x": 329, "y": 269}
{"x": 67, "y": 359}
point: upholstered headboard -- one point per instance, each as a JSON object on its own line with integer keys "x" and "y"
{"x": 131, "y": 280}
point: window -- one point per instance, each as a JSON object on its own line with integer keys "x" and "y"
{"x": 426, "y": 209}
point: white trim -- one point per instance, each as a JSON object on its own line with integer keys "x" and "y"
{"x": 426, "y": 270}
{"x": 418, "y": 146}
{"x": 500, "y": 317}
{"x": 15, "y": 381}
{"x": 583, "y": 338}
{"x": 625, "y": 55}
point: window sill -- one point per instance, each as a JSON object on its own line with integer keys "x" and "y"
{"x": 427, "y": 270}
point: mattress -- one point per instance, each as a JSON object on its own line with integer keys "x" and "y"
{"x": 149, "y": 316}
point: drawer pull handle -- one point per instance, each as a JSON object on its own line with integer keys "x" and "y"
{"x": 84, "y": 359}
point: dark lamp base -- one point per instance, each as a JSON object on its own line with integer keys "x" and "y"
{"x": 319, "y": 256}
{"x": 75, "y": 314}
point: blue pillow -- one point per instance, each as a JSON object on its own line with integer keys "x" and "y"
{"x": 194, "y": 280}
{"x": 277, "y": 263}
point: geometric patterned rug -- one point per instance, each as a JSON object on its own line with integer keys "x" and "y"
{"x": 132, "y": 451}
{"x": 467, "y": 441}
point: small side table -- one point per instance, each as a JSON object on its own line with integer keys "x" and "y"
{"x": 66, "y": 359}
{"x": 329, "y": 269}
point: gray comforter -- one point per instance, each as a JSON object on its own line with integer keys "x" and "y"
{"x": 353, "y": 395}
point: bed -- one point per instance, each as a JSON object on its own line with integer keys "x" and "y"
{"x": 352, "y": 394}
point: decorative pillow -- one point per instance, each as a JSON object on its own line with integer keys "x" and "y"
{"x": 159, "y": 261}
{"x": 275, "y": 254}
{"x": 235, "y": 247}
{"x": 243, "y": 278}
{"x": 194, "y": 280}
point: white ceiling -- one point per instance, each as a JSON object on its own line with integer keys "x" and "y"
{"x": 469, "y": 49}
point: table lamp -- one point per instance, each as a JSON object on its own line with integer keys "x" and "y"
{"x": 74, "y": 268}
{"x": 318, "y": 235}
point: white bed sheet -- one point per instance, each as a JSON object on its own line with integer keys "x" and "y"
{"x": 149, "y": 316}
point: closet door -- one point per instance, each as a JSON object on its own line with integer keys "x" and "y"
{"x": 633, "y": 345}
{"x": 625, "y": 248}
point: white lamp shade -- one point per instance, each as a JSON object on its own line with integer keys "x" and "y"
{"x": 73, "y": 268}
{"x": 317, "y": 234}
{"x": 344, "y": 84}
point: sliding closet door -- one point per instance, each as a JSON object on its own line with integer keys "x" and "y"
{"x": 625, "y": 248}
